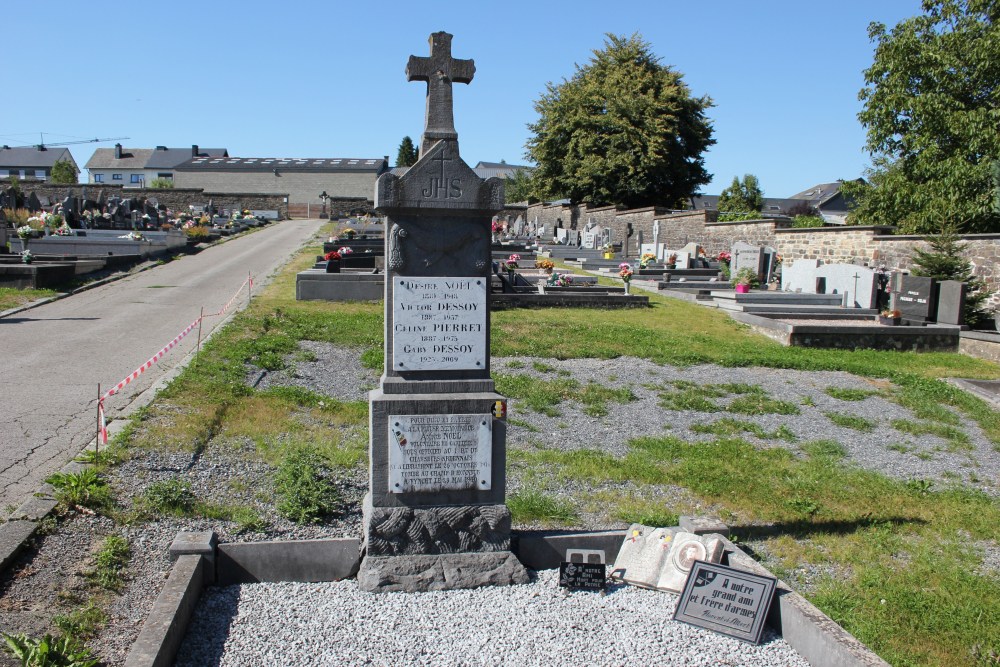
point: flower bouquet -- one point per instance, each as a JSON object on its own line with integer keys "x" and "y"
{"x": 559, "y": 280}
{"x": 348, "y": 233}
{"x": 25, "y": 231}
{"x": 344, "y": 250}
{"x": 545, "y": 264}
{"x": 64, "y": 230}
{"x": 512, "y": 261}
{"x": 646, "y": 259}
{"x": 625, "y": 272}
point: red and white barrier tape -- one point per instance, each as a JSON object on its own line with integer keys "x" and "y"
{"x": 248, "y": 281}
{"x": 103, "y": 430}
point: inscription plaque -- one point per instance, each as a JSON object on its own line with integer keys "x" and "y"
{"x": 436, "y": 452}
{"x": 439, "y": 324}
{"x": 726, "y": 600}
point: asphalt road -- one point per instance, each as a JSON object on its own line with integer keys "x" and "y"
{"x": 52, "y": 357}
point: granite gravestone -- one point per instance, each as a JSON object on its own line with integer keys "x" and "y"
{"x": 951, "y": 301}
{"x": 749, "y": 256}
{"x": 915, "y": 297}
{"x": 434, "y": 516}
{"x": 858, "y": 284}
{"x": 800, "y": 276}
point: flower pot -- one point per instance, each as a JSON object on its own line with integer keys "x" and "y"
{"x": 627, "y": 284}
{"x": 742, "y": 289}
{"x": 890, "y": 321}
{"x": 24, "y": 244}
{"x": 333, "y": 266}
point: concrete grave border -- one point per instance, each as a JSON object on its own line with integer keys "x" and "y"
{"x": 200, "y": 562}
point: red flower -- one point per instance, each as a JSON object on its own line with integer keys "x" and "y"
{"x": 331, "y": 255}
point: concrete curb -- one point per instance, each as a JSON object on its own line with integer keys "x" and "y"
{"x": 164, "y": 629}
{"x": 813, "y": 634}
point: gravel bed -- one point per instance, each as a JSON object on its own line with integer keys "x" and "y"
{"x": 533, "y": 624}
{"x": 882, "y": 449}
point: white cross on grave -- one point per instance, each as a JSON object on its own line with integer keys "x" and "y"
{"x": 439, "y": 71}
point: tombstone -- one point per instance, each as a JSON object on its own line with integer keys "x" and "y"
{"x": 102, "y": 201}
{"x": 858, "y": 284}
{"x": 540, "y": 232}
{"x": 800, "y": 276}
{"x": 71, "y": 210}
{"x": 606, "y": 237}
{"x": 745, "y": 255}
{"x": 434, "y": 516}
{"x": 638, "y": 243}
{"x": 561, "y": 235}
{"x": 32, "y": 204}
{"x": 770, "y": 263}
{"x": 951, "y": 302}
{"x": 573, "y": 238}
{"x": 518, "y": 226}
{"x": 5, "y": 199}
{"x": 915, "y": 297}
{"x": 656, "y": 232}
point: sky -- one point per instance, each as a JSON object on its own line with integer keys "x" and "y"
{"x": 325, "y": 79}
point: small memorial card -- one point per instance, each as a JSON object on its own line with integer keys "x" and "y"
{"x": 585, "y": 576}
{"x": 726, "y": 600}
{"x": 661, "y": 558}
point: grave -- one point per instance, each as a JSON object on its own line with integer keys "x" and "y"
{"x": 857, "y": 284}
{"x": 915, "y": 297}
{"x": 434, "y": 515}
{"x": 749, "y": 256}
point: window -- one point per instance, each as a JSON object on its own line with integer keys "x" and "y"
{"x": 165, "y": 175}
{"x": 20, "y": 174}
{"x": 116, "y": 177}
{"x": 4, "y": 172}
{"x": 136, "y": 178}
{"x": 40, "y": 174}
{"x": 98, "y": 178}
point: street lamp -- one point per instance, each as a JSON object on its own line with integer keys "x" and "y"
{"x": 324, "y": 197}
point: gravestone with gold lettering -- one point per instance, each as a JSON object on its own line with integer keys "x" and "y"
{"x": 434, "y": 516}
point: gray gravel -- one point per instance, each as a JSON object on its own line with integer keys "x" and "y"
{"x": 533, "y": 624}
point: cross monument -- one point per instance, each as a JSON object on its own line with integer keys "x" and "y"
{"x": 439, "y": 71}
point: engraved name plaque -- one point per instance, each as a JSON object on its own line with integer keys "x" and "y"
{"x": 435, "y": 452}
{"x": 439, "y": 324}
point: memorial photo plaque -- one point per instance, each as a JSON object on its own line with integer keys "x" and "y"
{"x": 434, "y": 452}
{"x": 726, "y": 600}
{"x": 439, "y": 324}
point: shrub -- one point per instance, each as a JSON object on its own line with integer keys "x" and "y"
{"x": 172, "y": 496}
{"x": 805, "y": 221}
{"x": 162, "y": 183}
{"x": 303, "y": 485}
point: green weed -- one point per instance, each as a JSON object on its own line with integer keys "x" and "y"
{"x": 304, "y": 487}
{"x": 850, "y": 421}
{"x": 110, "y": 562}
{"x": 846, "y": 394}
{"x": 532, "y": 505}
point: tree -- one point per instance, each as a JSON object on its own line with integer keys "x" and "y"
{"x": 407, "y": 155}
{"x": 63, "y": 172}
{"x": 519, "y": 187}
{"x": 161, "y": 184}
{"x": 932, "y": 114}
{"x": 742, "y": 196}
{"x": 624, "y": 129}
{"x": 944, "y": 261}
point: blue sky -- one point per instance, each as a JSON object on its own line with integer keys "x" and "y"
{"x": 325, "y": 79}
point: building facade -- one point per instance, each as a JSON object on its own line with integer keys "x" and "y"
{"x": 138, "y": 167}
{"x": 32, "y": 163}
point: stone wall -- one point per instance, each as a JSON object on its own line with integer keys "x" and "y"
{"x": 176, "y": 199}
{"x": 875, "y": 247}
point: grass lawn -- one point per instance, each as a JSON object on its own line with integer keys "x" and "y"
{"x": 911, "y": 582}
{"x": 11, "y": 297}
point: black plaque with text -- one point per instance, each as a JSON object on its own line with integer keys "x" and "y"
{"x": 726, "y": 600}
{"x": 916, "y": 297}
{"x": 583, "y": 576}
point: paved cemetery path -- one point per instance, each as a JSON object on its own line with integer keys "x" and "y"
{"x": 53, "y": 356}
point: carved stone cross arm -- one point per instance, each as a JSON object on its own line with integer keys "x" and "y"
{"x": 439, "y": 71}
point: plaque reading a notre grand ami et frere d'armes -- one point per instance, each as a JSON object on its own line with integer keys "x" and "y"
{"x": 434, "y": 452}
{"x": 439, "y": 324}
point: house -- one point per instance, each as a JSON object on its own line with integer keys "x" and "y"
{"x": 137, "y": 167}
{"x": 32, "y": 163}
{"x": 500, "y": 169}
{"x": 302, "y": 180}
{"x": 825, "y": 198}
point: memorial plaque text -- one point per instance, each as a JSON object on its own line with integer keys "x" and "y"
{"x": 439, "y": 324}
{"x": 434, "y": 452}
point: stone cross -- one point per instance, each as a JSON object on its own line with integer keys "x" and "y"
{"x": 439, "y": 71}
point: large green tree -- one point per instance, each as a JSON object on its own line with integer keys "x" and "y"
{"x": 407, "y": 155}
{"x": 742, "y": 196}
{"x": 932, "y": 114}
{"x": 519, "y": 187}
{"x": 63, "y": 172}
{"x": 625, "y": 129}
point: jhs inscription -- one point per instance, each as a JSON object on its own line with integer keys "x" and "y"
{"x": 436, "y": 452}
{"x": 443, "y": 188}
{"x": 439, "y": 324}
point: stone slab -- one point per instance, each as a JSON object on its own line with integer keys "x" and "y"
{"x": 542, "y": 550}
{"x": 702, "y": 525}
{"x": 800, "y": 276}
{"x": 328, "y": 559}
{"x": 316, "y": 285}
{"x": 440, "y": 572}
{"x": 858, "y": 284}
{"x": 167, "y": 622}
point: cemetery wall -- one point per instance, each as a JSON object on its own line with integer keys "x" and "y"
{"x": 676, "y": 229}
{"x": 875, "y": 247}
{"x": 721, "y": 236}
{"x": 176, "y": 199}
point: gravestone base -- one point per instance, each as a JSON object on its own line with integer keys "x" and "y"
{"x": 398, "y": 531}
{"x": 411, "y": 574}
